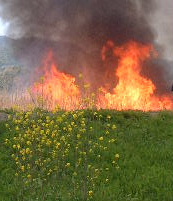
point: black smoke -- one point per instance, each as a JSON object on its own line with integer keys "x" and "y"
{"x": 84, "y": 21}
{"x": 77, "y": 30}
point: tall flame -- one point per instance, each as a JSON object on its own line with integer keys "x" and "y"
{"x": 57, "y": 87}
{"x": 133, "y": 90}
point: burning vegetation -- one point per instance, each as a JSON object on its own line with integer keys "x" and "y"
{"x": 133, "y": 91}
{"x": 124, "y": 73}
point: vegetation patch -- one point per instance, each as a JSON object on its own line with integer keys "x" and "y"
{"x": 86, "y": 155}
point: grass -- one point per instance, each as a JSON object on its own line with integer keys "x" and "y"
{"x": 142, "y": 173}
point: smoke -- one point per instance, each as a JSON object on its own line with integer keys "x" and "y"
{"x": 79, "y": 29}
{"x": 163, "y": 25}
{"x": 79, "y": 21}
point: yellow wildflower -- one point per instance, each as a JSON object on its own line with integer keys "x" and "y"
{"x": 114, "y": 127}
{"x": 18, "y": 146}
{"x": 67, "y": 165}
{"x": 117, "y": 156}
{"x": 23, "y": 168}
{"x": 101, "y": 138}
{"x": 29, "y": 176}
{"x": 78, "y": 136}
{"x": 27, "y": 151}
{"x": 90, "y": 193}
{"x": 28, "y": 143}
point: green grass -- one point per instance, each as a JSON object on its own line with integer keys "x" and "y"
{"x": 144, "y": 143}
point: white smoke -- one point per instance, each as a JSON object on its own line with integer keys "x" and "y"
{"x": 162, "y": 21}
{"x": 3, "y": 27}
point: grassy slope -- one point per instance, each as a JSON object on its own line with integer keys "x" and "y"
{"x": 7, "y": 172}
{"x": 145, "y": 147}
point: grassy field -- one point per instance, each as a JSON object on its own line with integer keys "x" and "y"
{"x": 120, "y": 156}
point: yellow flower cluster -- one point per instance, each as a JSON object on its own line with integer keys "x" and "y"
{"x": 50, "y": 143}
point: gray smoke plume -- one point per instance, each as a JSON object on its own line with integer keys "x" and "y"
{"x": 79, "y": 20}
{"x": 163, "y": 24}
{"x": 80, "y": 29}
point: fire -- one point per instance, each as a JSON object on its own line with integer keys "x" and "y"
{"x": 58, "y": 88}
{"x": 133, "y": 91}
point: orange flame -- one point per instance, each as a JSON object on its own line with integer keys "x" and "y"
{"x": 133, "y": 91}
{"x": 58, "y": 88}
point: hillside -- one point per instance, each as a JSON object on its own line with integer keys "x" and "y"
{"x": 141, "y": 169}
